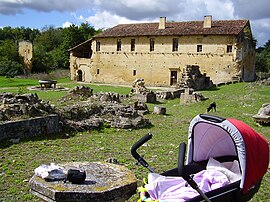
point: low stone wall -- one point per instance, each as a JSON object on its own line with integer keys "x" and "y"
{"x": 30, "y": 127}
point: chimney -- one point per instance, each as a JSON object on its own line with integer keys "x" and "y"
{"x": 207, "y": 23}
{"x": 162, "y": 23}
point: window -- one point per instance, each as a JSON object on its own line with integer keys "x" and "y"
{"x": 98, "y": 46}
{"x": 132, "y": 47}
{"x": 97, "y": 71}
{"x": 134, "y": 72}
{"x": 229, "y": 48}
{"x": 119, "y": 43}
{"x": 152, "y": 44}
{"x": 199, "y": 48}
{"x": 175, "y": 44}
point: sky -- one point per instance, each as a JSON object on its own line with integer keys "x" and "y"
{"x": 108, "y": 13}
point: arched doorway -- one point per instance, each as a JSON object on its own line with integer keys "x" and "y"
{"x": 79, "y": 75}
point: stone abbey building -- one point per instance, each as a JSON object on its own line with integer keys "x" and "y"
{"x": 224, "y": 50}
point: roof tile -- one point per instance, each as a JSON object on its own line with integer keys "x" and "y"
{"x": 219, "y": 27}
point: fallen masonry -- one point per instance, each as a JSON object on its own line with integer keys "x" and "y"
{"x": 263, "y": 115}
{"x": 103, "y": 109}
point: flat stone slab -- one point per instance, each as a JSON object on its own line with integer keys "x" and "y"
{"x": 105, "y": 182}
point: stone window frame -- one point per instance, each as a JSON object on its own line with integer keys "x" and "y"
{"x": 119, "y": 45}
{"x": 199, "y": 48}
{"x": 175, "y": 44}
{"x": 132, "y": 44}
{"x": 229, "y": 48}
{"x": 97, "y": 46}
{"x": 152, "y": 44}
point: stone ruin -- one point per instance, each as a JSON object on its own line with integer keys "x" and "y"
{"x": 264, "y": 81}
{"x": 141, "y": 93}
{"x": 78, "y": 93}
{"x": 86, "y": 93}
{"x": 102, "y": 109}
{"x": 25, "y": 105}
{"x": 263, "y": 115}
{"x": 189, "y": 96}
{"x": 106, "y": 97}
{"x": 89, "y": 116}
{"x": 192, "y": 78}
{"x": 138, "y": 86}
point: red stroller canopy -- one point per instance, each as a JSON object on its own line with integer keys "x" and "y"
{"x": 229, "y": 137}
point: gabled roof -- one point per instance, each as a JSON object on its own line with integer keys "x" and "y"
{"x": 219, "y": 27}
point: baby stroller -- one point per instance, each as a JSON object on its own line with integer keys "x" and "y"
{"x": 225, "y": 140}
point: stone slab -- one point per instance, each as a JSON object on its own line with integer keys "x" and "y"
{"x": 105, "y": 182}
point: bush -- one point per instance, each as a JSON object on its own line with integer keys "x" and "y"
{"x": 10, "y": 68}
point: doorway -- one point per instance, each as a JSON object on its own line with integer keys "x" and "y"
{"x": 79, "y": 75}
{"x": 173, "y": 78}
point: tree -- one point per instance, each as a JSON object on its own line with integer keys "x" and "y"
{"x": 50, "y": 45}
{"x": 10, "y": 68}
{"x": 8, "y": 50}
{"x": 50, "y": 38}
{"x": 263, "y": 58}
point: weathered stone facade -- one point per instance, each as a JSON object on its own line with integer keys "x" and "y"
{"x": 224, "y": 51}
{"x": 26, "y": 54}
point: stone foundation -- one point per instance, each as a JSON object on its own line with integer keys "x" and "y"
{"x": 105, "y": 182}
{"x": 30, "y": 127}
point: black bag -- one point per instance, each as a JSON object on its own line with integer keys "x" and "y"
{"x": 76, "y": 176}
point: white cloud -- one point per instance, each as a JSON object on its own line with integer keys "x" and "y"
{"x": 222, "y": 10}
{"x": 261, "y": 30}
{"x": 104, "y": 19}
{"x": 67, "y": 24}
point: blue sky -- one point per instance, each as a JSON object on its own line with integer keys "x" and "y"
{"x": 39, "y": 19}
{"x": 108, "y": 13}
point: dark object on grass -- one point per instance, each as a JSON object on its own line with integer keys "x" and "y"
{"x": 212, "y": 107}
{"x": 76, "y": 176}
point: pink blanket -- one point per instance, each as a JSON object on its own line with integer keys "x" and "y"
{"x": 175, "y": 189}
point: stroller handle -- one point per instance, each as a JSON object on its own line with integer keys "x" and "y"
{"x": 134, "y": 153}
{"x": 181, "y": 158}
{"x": 138, "y": 144}
{"x": 212, "y": 118}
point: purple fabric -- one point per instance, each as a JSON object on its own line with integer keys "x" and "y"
{"x": 175, "y": 189}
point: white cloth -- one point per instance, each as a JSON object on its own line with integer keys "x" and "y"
{"x": 176, "y": 189}
{"x": 230, "y": 169}
{"x": 51, "y": 171}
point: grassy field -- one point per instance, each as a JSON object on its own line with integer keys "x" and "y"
{"x": 18, "y": 161}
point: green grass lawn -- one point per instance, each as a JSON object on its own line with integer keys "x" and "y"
{"x": 18, "y": 161}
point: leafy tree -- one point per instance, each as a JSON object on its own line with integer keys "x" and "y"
{"x": 10, "y": 68}
{"x": 263, "y": 58}
{"x": 87, "y": 31}
{"x": 50, "y": 45}
{"x": 49, "y": 38}
{"x": 8, "y": 50}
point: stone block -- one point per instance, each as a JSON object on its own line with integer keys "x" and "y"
{"x": 159, "y": 110}
{"x": 105, "y": 182}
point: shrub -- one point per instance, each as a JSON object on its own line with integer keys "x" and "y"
{"x": 10, "y": 68}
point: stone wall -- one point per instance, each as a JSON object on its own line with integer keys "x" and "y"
{"x": 123, "y": 67}
{"x": 30, "y": 127}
